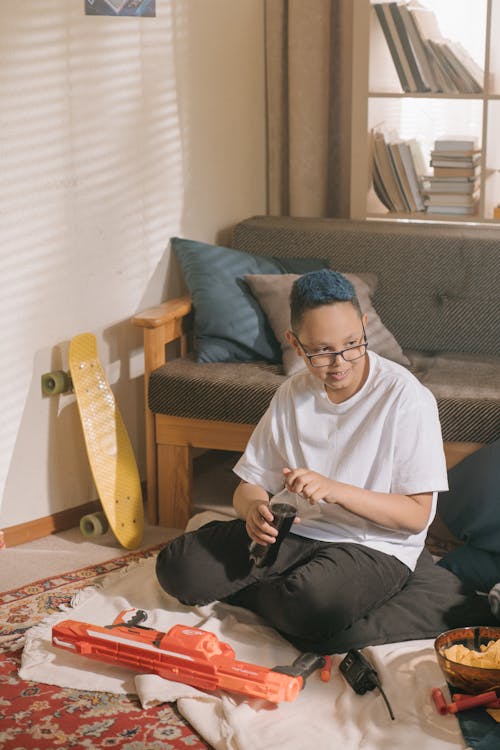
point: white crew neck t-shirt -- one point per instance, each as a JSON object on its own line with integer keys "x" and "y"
{"x": 386, "y": 437}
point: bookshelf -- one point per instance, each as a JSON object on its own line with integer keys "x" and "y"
{"x": 380, "y": 103}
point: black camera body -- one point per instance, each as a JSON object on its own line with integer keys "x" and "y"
{"x": 361, "y": 675}
{"x": 358, "y": 672}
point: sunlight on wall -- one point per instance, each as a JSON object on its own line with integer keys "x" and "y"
{"x": 92, "y": 187}
{"x": 116, "y": 133}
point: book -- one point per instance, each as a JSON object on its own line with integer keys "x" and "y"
{"x": 417, "y": 155}
{"x": 416, "y": 80}
{"x": 437, "y": 153}
{"x": 454, "y": 69}
{"x": 391, "y": 43}
{"x": 428, "y": 29}
{"x": 451, "y": 179}
{"x": 402, "y": 177}
{"x": 454, "y": 161}
{"x": 468, "y": 84}
{"x": 420, "y": 50}
{"x": 443, "y": 81}
{"x": 456, "y": 171}
{"x": 386, "y": 172}
{"x": 452, "y": 143}
{"x": 431, "y": 185}
{"x": 450, "y": 199}
{"x": 452, "y": 210}
{"x": 405, "y": 162}
{"x": 380, "y": 190}
{"x": 473, "y": 68}
{"x": 447, "y": 75}
{"x": 395, "y": 177}
{"x": 425, "y": 21}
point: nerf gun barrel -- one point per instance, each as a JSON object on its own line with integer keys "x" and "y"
{"x": 189, "y": 655}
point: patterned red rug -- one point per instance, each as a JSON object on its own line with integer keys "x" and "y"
{"x": 34, "y": 716}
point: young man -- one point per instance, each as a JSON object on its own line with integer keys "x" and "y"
{"x": 358, "y": 438}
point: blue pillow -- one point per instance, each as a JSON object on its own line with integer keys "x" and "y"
{"x": 229, "y": 324}
{"x": 470, "y": 508}
{"x": 478, "y": 569}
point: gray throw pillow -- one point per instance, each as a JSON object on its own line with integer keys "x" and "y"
{"x": 273, "y": 294}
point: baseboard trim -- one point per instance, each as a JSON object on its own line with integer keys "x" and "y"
{"x": 40, "y": 527}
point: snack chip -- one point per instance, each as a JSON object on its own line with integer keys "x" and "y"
{"x": 488, "y": 657}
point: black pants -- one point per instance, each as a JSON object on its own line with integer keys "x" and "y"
{"x": 313, "y": 590}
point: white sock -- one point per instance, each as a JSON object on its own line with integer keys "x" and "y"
{"x": 494, "y": 600}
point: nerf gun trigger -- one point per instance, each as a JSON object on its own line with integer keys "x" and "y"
{"x": 306, "y": 664}
{"x": 130, "y": 617}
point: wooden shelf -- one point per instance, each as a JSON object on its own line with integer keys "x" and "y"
{"x": 443, "y": 113}
{"x": 424, "y": 217}
{"x": 427, "y": 95}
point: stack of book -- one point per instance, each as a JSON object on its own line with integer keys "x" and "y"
{"x": 423, "y": 58}
{"x": 453, "y": 188}
{"x": 395, "y": 178}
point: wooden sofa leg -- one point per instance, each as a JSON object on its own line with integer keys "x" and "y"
{"x": 174, "y": 485}
{"x": 151, "y": 470}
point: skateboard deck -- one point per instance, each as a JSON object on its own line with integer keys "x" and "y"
{"x": 110, "y": 453}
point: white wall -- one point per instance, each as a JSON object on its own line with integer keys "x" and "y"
{"x": 116, "y": 133}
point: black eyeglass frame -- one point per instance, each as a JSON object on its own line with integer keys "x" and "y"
{"x": 334, "y": 355}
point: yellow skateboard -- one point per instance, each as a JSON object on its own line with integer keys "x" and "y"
{"x": 109, "y": 450}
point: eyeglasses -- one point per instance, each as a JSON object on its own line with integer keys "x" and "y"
{"x": 324, "y": 359}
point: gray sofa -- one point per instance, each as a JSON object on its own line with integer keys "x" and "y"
{"x": 438, "y": 292}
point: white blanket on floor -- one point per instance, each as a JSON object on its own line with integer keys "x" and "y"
{"x": 324, "y": 716}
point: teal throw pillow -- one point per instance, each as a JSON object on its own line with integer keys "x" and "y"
{"x": 470, "y": 508}
{"x": 478, "y": 569}
{"x": 229, "y": 324}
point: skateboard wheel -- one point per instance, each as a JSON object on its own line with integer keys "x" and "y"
{"x": 55, "y": 382}
{"x": 94, "y": 524}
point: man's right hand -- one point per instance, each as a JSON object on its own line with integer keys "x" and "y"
{"x": 259, "y": 523}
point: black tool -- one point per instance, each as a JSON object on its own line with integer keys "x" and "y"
{"x": 306, "y": 664}
{"x": 361, "y": 675}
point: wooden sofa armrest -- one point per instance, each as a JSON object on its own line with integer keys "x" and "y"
{"x": 167, "y": 312}
{"x": 161, "y": 325}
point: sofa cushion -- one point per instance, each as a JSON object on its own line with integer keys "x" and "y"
{"x": 241, "y": 392}
{"x": 454, "y": 375}
{"x": 273, "y": 295}
{"x": 467, "y": 388}
{"x": 223, "y": 391}
{"x": 229, "y": 324}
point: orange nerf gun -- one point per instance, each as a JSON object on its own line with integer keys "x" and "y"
{"x": 185, "y": 654}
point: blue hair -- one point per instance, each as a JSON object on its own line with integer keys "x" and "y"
{"x": 316, "y": 288}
